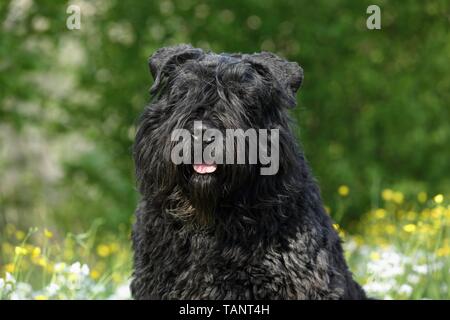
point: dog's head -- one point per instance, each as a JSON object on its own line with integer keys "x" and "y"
{"x": 187, "y": 150}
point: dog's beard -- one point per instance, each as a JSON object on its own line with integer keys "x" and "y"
{"x": 204, "y": 193}
{"x": 208, "y": 192}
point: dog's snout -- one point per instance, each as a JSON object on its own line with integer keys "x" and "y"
{"x": 200, "y": 133}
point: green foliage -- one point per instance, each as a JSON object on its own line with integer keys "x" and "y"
{"x": 373, "y": 109}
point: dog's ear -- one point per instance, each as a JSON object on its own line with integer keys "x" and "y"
{"x": 165, "y": 60}
{"x": 288, "y": 74}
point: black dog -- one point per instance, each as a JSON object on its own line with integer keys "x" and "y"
{"x": 231, "y": 233}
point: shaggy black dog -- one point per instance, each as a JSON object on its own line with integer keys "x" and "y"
{"x": 232, "y": 233}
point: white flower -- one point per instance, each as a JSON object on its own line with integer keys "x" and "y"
{"x": 85, "y": 270}
{"x": 405, "y": 289}
{"x": 75, "y": 268}
{"x": 9, "y": 278}
{"x": 389, "y": 265}
{"x": 2, "y": 283}
{"x": 60, "y": 267}
{"x": 413, "y": 278}
{"x": 122, "y": 293}
{"x": 379, "y": 287}
{"x": 52, "y": 289}
{"x": 421, "y": 269}
{"x": 16, "y": 296}
{"x": 351, "y": 245}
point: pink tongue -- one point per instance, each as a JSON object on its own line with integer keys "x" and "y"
{"x": 204, "y": 168}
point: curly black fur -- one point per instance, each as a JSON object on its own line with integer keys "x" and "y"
{"x": 233, "y": 234}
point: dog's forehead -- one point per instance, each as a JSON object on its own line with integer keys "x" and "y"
{"x": 211, "y": 63}
{"x": 213, "y": 59}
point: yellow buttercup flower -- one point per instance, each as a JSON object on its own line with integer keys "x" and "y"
{"x": 59, "y": 267}
{"x": 343, "y": 190}
{"x": 443, "y": 252}
{"x": 50, "y": 268}
{"x": 116, "y": 277}
{"x": 48, "y": 234}
{"x": 398, "y": 197}
{"x": 422, "y": 197}
{"x": 103, "y": 250}
{"x": 42, "y": 262}
{"x": 387, "y": 194}
{"x": 10, "y": 268}
{"x": 95, "y": 274}
{"x": 41, "y": 297}
{"x": 380, "y": 213}
{"x": 390, "y": 229}
{"x": 439, "y": 198}
{"x": 436, "y": 213}
{"x": 20, "y": 235}
{"x": 36, "y": 252}
{"x": 21, "y": 251}
{"x": 375, "y": 256}
{"x": 409, "y": 228}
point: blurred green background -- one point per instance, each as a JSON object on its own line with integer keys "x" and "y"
{"x": 373, "y": 110}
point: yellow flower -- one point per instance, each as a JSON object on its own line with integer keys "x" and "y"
{"x": 436, "y": 213}
{"x": 20, "y": 235}
{"x": 95, "y": 274}
{"x": 59, "y": 267}
{"x": 48, "y": 234}
{"x": 375, "y": 256}
{"x": 10, "y": 268}
{"x": 50, "y": 268}
{"x": 409, "y": 227}
{"x": 390, "y": 229}
{"x": 42, "y": 262}
{"x": 398, "y": 197}
{"x": 422, "y": 197}
{"x": 41, "y": 297}
{"x": 36, "y": 252}
{"x": 116, "y": 277}
{"x": 73, "y": 277}
{"x": 343, "y": 190}
{"x": 21, "y": 251}
{"x": 443, "y": 252}
{"x": 380, "y": 213}
{"x": 336, "y": 226}
{"x": 439, "y": 198}
{"x": 387, "y": 194}
{"x": 103, "y": 250}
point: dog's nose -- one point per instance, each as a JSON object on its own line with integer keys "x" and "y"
{"x": 208, "y": 139}
{"x": 199, "y": 133}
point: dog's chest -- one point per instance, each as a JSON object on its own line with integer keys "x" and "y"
{"x": 200, "y": 268}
